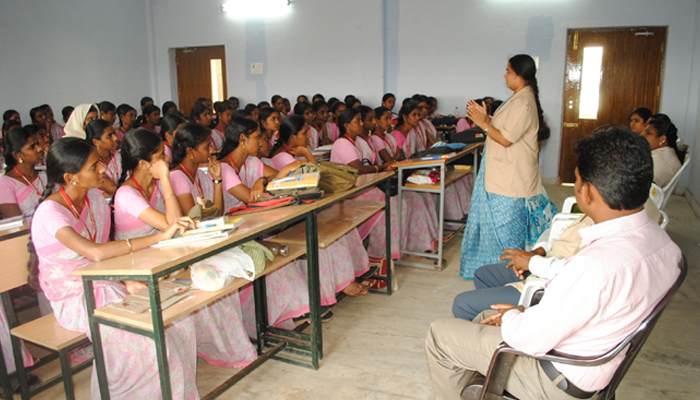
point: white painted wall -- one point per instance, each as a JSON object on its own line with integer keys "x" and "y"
{"x": 71, "y": 52}
{"x": 456, "y": 50}
{"x": 330, "y": 47}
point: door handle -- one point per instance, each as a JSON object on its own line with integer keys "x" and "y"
{"x": 570, "y": 124}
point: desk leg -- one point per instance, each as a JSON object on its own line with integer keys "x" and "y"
{"x": 387, "y": 219}
{"x": 96, "y": 340}
{"x": 314, "y": 288}
{"x": 261, "y": 321}
{"x": 16, "y": 351}
{"x": 159, "y": 338}
{"x": 4, "y": 378}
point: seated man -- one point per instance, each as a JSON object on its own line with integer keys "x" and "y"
{"x": 596, "y": 300}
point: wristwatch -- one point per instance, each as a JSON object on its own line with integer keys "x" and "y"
{"x": 486, "y": 131}
{"x": 217, "y": 181}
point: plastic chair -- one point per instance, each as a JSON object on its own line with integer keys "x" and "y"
{"x": 656, "y": 194}
{"x": 568, "y": 206}
{"x": 664, "y": 220}
{"x": 492, "y": 386}
{"x": 671, "y": 186}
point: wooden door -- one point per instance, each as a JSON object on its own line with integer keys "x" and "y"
{"x": 194, "y": 75}
{"x": 630, "y": 77}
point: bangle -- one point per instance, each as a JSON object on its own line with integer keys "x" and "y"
{"x": 376, "y": 168}
{"x": 131, "y": 249}
{"x": 169, "y": 196}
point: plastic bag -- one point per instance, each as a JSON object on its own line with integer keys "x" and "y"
{"x": 218, "y": 271}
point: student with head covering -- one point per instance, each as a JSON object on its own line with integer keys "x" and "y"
{"x": 81, "y": 116}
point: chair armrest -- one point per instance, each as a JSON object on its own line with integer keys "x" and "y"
{"x": 531, "y": 286}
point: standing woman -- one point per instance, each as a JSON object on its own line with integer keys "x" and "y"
{"x": 168, "y": 128}
{"x": 71, "y": 230}
{"x": 22, "y": 185}
{"x": 81, "y": 116}
{"x": 100, "y": 133}
{"x": 146, "y": 204}
{"x": 509, "y": 209}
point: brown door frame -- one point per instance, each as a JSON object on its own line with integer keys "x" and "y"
{"x": 224, "y": 74}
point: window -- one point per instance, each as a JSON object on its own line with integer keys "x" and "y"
{"x": 590, "y": 83}
{"x": 217, "y": 81}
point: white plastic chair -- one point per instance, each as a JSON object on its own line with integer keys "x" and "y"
{"x": 671, "y": 186}
{"x": 569, "y": 203}
{"x": 656, "y": 194}
{"x": 664, "y": 220}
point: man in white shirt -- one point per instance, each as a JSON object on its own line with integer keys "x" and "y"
{"x": 596, "y": 300}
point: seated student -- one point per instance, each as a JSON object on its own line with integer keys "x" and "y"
{"x": 305, "y": 110}
{"x": 145, "y": 204}
{"x": 425, "y": 128}
{"x": 263, "y": 104}
{"x": 168, "y": 107}
{"x": 406, "y": 138}
{"x": 66, "y": 112}
{"x": 336, "y": 108}
{"x": 168, "y": 128}
{"x": 55, "y": 129}
{"x": 81, "y": 116}
{"x": 9, "y": 125}
{"x": 38, "y": 117}
{"x": 43, "y": 139}
{"x": 11, "y": 115}
{"x": 141, "y": 119}
{"x": 224, "y": 115}
{"x": 317, "y": 97}
{"x": 277, "y": 103}
{"x": 270, "y": 123}
{"x": 662, "y": 136}
{"x": 432, "y": 108}
{"x": 382, "y": 139}
{"x": 22, "y": 185}
{"x": 287, "y": 106}
{"x": 418, "y": 218}
{"x": 100, "y": 133}
{"x": 235, "y": 103}
{"x": 596, "y": 300}
{"x": 352, "y": 102}
{"x": 108, "y": 112}
{"x": 302, "y": 97}
{"x": 327, "y": 131}
{"x": 265, "y": 149}
{"x": 639, "y": 119}
{"x": 253, "y": 110}
{"x": 346, "y": 258}
{"x": 127, "y": 119}
{"x": 151, "y": 114}
{"x": 244, "y": 180}
{"x": 70, "y": 229}
{"x": 376, "y": 143}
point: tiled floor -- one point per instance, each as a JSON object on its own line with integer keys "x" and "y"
{"x": 374, "y": 345}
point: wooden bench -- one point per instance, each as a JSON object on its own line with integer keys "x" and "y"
{"x": 44, "y": 331}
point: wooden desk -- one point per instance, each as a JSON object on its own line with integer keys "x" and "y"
{"x": 151, "y": 264}
{"x": 448, "y": 175}
{"x": 333, "y": 222}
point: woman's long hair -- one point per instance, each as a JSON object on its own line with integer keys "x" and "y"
{"x": 524, "y": 66}
{"x": 664, "y": 127}
{"x": 234, "y": 130}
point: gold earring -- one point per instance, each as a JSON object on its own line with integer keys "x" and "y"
{"x": 74, "y": 183}
{"x": 21, "y": 160}
{"x": 661, "y": 142}
{"x": 191, "y": 156}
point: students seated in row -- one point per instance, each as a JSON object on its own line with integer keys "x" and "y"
{"x": 145, "y": 204}
{"x": 594, "y": 302}
{"x": 168, "y": 107}
{"x": 382, "y": 136}
{"x": 305, "y": 110}
{"x": 224, "y": 114}
{"x": 81, "y": 116}
{"x": 100, "y": 133}
{"x": 419, "y": 227}
{"x": 254, "y": 111}
{"x": 277, "y": 103}
{"x": 327, "y": 131}
{"x": 345, "y": 259}
{"x": 43, "y": 139}
{"x": 70, "y": 230}
{"x": 22, "y": 185}
{"x": 151, "y": 120}
{"x": 108, "y": 112}
{"x": 662, "y": 136}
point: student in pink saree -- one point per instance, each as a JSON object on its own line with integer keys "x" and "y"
{"x": 101, "y": 134}
{"x": 348, "y": 150}
{"x": 224, "y": 115}
{"x": 70, "y": 230}
{"x": 327, "y": 131}
{"x": 146, "y": 204}
{"x": 345, "y": 259}
{"x": 22, "y": 185}
{"x": 304, "y": 109}
{"x": 382, "y": 139}
{"x": 169, "y": 126}
{"x": 127, "y": 117}
{"x": 191, "y": 148}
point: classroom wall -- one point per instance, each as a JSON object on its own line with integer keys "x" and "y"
{"x": 320, "y": 46}
{"x": 456, "y": 50}
{"x": 71, "y": 52}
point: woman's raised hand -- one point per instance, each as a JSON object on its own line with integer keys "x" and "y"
{"x": 214, "y": 168}
{"x": 160, "y": 169}
{"x": 477, "y": 113}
